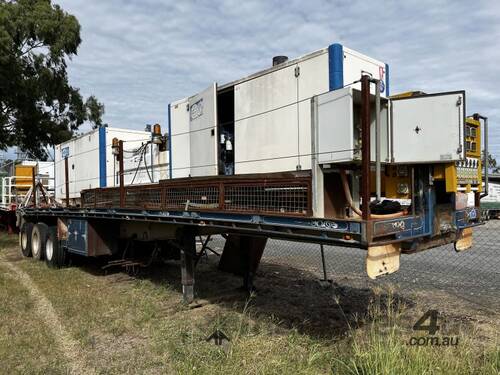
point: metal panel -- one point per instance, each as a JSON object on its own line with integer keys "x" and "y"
{"x": 273, "y": 117}
{"x": 77, "y": 236}
{"x": 335, "y": 126}
{"x": 313, "y": 80}
{"x": 357, "y": 64}
{"x": 428, "y": 128}
{"x": 180, "y": 138}
{"x": 266, "y": 132}
{"x": 338, "y": 118}
{"x": 203, "y": 132}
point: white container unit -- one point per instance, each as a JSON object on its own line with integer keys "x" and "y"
{"x": 92, "y": 164}
{"x": 261, "y": 123}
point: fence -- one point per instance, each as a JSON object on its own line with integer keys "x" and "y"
{"x": 472, "y": 276}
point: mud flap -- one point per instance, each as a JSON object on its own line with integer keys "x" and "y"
{"x": 465, "y": 240}
{"x": 382, "y": 260}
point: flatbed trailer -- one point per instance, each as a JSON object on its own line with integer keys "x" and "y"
{"x": 329, "y": 202}
{"x": 172, "y": 214}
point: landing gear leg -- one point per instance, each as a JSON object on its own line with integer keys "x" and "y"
{"x": 188, "y": 255}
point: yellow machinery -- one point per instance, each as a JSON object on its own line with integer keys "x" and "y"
{"x": 465, "y": 175}
{"x": 23, "y": 178}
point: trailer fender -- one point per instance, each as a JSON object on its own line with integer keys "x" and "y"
{"x": 382, "y": 260}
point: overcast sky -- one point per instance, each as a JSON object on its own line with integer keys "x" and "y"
{"x": 137, "y": 56}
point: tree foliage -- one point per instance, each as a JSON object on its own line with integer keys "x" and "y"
{"x": 493, "y": 167}
{"x": 38, "y": 106}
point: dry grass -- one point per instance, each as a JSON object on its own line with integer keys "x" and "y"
{"x": 139, "y": 325}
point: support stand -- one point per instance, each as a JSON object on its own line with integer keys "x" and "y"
{"x": 325, "y": 283}
{"x": 187, "y": 242}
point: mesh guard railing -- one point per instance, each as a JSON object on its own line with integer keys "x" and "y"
{"x": 277, "y": 196}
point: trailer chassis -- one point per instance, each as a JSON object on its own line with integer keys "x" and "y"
{"x": 182, "y": 228}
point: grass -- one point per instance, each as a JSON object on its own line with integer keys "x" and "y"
{"x": 139, "y": 325}
{"x": 26, "y": 345}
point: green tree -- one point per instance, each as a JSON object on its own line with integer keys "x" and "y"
{"x": 38, "y": 106}
{"x": 492, "y": 163}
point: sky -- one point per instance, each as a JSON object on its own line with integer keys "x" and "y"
{"x": 137, "y": 56}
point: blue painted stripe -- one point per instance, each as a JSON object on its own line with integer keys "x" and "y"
{"x": 169, "y": 143}
{"x": 336, "y": 66}
{"x": 387, "y": 92}
{"x": 102, "y": 157}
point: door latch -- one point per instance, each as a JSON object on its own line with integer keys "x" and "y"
{"x": 297, "y": 71}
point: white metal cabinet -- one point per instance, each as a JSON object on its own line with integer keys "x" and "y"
{"x": 339, "y": 123}
{"x": 203, "y": 132}
{"x": 428, "y": 128}
{"x": 335, "y": 126}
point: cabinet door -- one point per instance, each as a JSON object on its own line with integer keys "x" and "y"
{"x": 428, "y": 128}
{"x": 266, "y": 124}
{"x": 335, "y": 126}
{"x": 203, "y": 132}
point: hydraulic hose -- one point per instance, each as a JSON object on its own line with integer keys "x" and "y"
{"x": 348, "y": 197}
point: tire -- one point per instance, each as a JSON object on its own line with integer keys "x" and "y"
{"x": 38, "y": 240}
{"x": 55, "y": 255}
{"x": 25, "y": 238}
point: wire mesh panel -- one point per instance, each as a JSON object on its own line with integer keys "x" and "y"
{"x": 143, "y": 197}
{"x": 105, "y": 198}
{"x": 88, "y": 198}
{"x": 275, "y": 198}
{"x": 192, "y": 197}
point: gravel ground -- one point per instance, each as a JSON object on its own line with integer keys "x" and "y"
{"x": 472, "y": 276}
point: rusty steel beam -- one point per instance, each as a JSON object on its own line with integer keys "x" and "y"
{"x": 365, "y": 145}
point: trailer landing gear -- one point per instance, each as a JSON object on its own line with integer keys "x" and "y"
{"x": 187, "y": 242}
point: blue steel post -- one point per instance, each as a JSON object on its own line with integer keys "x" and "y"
{"x": 387, "y": 92}
{"x": 102, "y": 157}
{"x": 169, "y": 143}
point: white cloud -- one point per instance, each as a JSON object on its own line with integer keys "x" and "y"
{"x": 138, "y": 56}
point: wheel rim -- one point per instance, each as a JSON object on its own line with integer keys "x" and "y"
{"x": 24, "y": 240}
{"x": 49, "y": 249}
{"x": 35, "y": 243}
